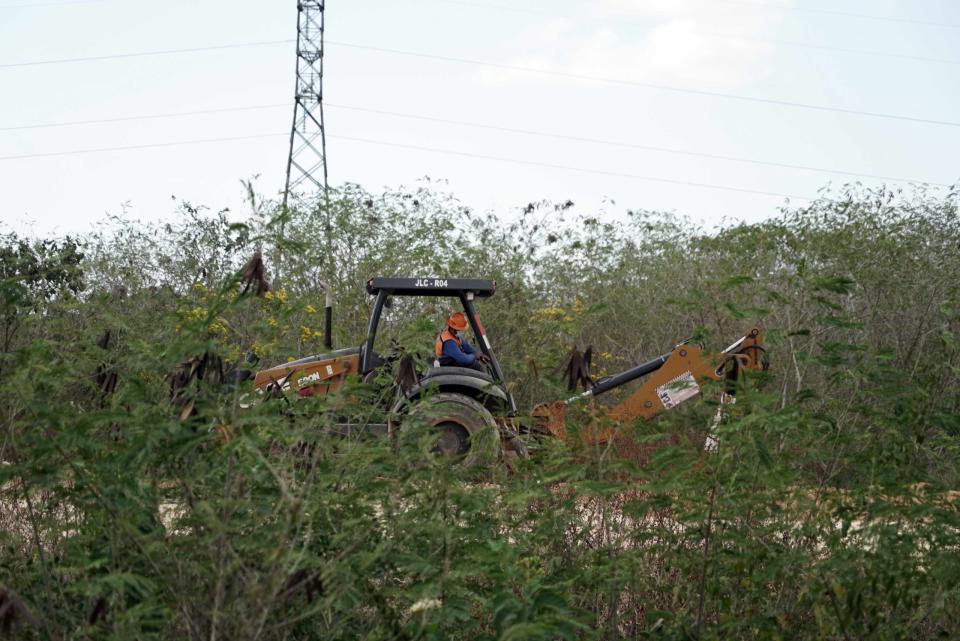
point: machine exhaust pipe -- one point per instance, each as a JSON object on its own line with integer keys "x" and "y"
{"x": 327, "y": 316}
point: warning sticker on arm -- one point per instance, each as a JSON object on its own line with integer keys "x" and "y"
{"x": 677, "y": 390}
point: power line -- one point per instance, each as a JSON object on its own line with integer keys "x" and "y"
{"x": 451, "y": 152}
{"x": 559, "y": 74}
{"x": 178, "y": 143}
{"x": 489, "y": 127}
{"x": 483, "y": 5}
{"x": 790, "y": 43}
{"x": 843, "y": 14}
{"x": 729, "y": 36}
{"x": 175, "y": 114}
{"x": 650, "y": 85}
{"x": 48, "y": 4}
{"x": 744, "y": 3}
{"x": 627, "y": 145}
{"x": 601, "y": 172}
{"x": 139, "y": 54}
{"x": 810, "y": 45}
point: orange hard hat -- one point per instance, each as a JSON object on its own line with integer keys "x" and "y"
{"x": 458, "y": 321}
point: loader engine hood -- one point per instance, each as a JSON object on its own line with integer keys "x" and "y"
{"x": 312, "y": 375}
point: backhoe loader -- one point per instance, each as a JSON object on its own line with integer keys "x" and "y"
{"x": 457, "y": 403}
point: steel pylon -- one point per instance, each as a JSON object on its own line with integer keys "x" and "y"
{"x": 307, "y": 158}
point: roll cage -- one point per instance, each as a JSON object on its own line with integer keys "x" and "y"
{"x": 464, "y": 289}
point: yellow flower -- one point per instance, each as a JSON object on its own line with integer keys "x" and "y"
{"x": 217, "y": 327}
{"x": 272, "y": 322}
{"x": 547, "y": 312}
{"x": 198, "y": 286}
{"x": 261, "y": 349}
{"x": 311, "y": 309}
{"x": 268, "y": 295}
{"x": 195, "y": 313}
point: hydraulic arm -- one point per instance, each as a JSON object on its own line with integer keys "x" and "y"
{"x": 674, "y": 377}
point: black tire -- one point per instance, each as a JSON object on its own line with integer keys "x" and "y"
{"x": 467, "y": 431}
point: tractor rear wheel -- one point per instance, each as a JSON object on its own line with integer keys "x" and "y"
{"x": 466, "y": 431}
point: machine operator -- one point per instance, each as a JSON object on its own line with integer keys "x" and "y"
{"x": 452, "y": 349}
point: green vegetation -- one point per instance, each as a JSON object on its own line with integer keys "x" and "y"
{"x": 139, "y": 501}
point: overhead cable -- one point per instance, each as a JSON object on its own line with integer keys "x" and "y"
{"x": 450, "y": 152}
{"x": 844, "y": 14}
{"x": 174, "y": 114}
{"x": 491, "y": 127}
{"x": 733, "y": 36}
{"x": 40, "y": 5}
{"x": 140, "y": 54}
{"x": 534, "y": 163}
{"x": 810, "y": 45}
{"x": 650, "y": 85}
{"x": 628, "y": 145}
{"x": 743, "y": 3}
{"x": 178, "y": 143}
{"x": 512, "y": 67}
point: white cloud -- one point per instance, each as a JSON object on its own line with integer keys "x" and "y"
{"x": 670, "y": 42}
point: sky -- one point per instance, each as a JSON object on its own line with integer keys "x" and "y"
{"x": 646, "y": 104}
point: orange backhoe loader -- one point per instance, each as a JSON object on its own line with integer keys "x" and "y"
{"x": 457, "y": 403}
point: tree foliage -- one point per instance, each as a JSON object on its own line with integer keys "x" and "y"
{"x": 141, "y": 498}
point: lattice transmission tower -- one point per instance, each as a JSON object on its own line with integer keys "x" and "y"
{"x": 307, "y": 159}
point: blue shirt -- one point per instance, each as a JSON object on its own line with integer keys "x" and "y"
{"x": 463, "y": 356}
